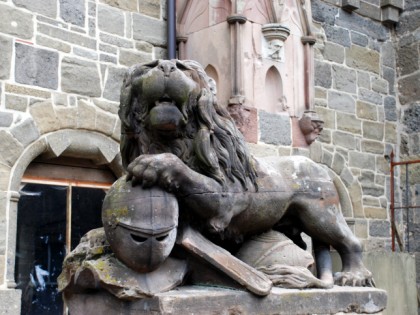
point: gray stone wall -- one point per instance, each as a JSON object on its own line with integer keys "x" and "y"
{"x": 355, "y": 94}
{"x": 61, "y": 68}
{"x": 408, "y": 83}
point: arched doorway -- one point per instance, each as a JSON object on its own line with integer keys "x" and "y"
{"x": 60, "y": 181}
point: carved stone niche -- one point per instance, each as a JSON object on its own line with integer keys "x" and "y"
{"x": 260, "y": 54}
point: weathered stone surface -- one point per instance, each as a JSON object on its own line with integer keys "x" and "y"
{"x": 116, "y": 41}
{"x": 111, "y": 20}
{"x": 207, "y": 300}
{"x": 380, "y": 228}
{"x": 16, "y": 102}
{"x": 391, "y": 132}
{"x": 275, "y": 129}
{"x": 11, "y": 149}
{"x": 375, "y": 213}
{"x": 16, "y": 22}
{"x": 359, "y": 39}
{"x": 322, "y": 74}
{"x": 341, "y": 101}
{"x": 150, "y": 8}
{"x": 338, "y": 163}
{"x": 388, "y": 55}
{"x": 6, "y": 48}
{"x": 52, "y": 43}
{"x": 81, "y": 77}
{"x": 149, "y": 29}
{"x": 362, "y": 58}
{"x": 373, "y": 130}
{"x": 345, "y": 140}
{"x": 67, "y": 117}
{"x": 130, "y": 58}
{"x": 363, "y": 25}
{"x": 105, "y": 122}
{"x": 373, "y": 190}
{"x": 67, "y": 36}
{"x": 86, "y": 116}
{"x": 144, "y": 46}
{"x": 10, "y": 301}
{"x": 390, "y": 108}
{"x": 113, "y": 83}
{"x": 363, "y": 79}
{"x": 44, "y": 115}
{"x": 360, "y": 229}
{"x": 89, "y": 54}
{"x": 409, "y": 22}
{"x": 389, "y": 75}
{"x": 45, "y": 7}
{"x": 35, "y": 66}
{"x": 334, "y": 52}
{"x": 73, "y": 11}
{"x": 355, "y": 192}
{"x": 370, "y": 96}
{"x": 344, "y": 79}
{"x": 160, "y": 53}
{"x": 111, "y": 107}
{"x": 25, "y": 132}
{"x": 379, "y": 85}
{"x": 361, "y": 160}
{"x": 6, "y": 119}
{"x": 323, "y": 12}
{"x": 92, "y": 27}
{"x": 366, "y": 111}
{"x": 409, "y": 88}
{"x": 23, "y": 90}
{"x": 129, "y": 5}
{"x": 327, "y": 115}
{"x": 108, "y": 49}
{"x": 108, "y": 58}
{"x": 411, "y": 118}
{"x": 375, "y": 147}
{"x": 407, "y": 60}
{"x": 338, "y": 35}
{"x": 325, "y": 136}
{"x": 92, "y": 9}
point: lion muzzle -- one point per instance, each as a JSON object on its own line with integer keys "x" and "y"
{"x": 165, "y": 117}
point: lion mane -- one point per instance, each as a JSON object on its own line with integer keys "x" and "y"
{"x": 208, "y": 142}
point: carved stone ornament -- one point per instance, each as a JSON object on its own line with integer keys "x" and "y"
{"x": 194, "y": 194}
{"x": 311, "y": 126}
{"x": 275, "y": 35}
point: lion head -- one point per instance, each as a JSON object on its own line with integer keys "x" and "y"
{"x": 171, "y": 106}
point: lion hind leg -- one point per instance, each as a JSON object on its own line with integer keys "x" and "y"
{"x": 324, "y": 222}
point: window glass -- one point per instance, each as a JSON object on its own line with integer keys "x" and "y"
{"x": 41, "y": 239}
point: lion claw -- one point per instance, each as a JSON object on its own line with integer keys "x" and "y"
{"x": 354, "y": 279}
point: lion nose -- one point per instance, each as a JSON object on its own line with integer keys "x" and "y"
{"x": 166, "y": 67}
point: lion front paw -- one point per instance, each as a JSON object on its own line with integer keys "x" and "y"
{"x": 354, "y": 278}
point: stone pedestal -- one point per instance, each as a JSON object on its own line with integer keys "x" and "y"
{"x": 208, "y": 300}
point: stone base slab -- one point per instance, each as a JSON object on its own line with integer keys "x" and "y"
{"x": 211, "y": 301}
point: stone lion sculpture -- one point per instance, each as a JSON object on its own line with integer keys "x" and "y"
{"x": 176, "y": 136}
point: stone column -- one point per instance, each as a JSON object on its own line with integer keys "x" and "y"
{"x": 237, "y": 93}
{"x": 308, "y": 42}
{"x": 11, "y": 239}
{"x": 181, "y": 40}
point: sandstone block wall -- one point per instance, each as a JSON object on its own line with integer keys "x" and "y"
{"x": 61, "y": 69}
